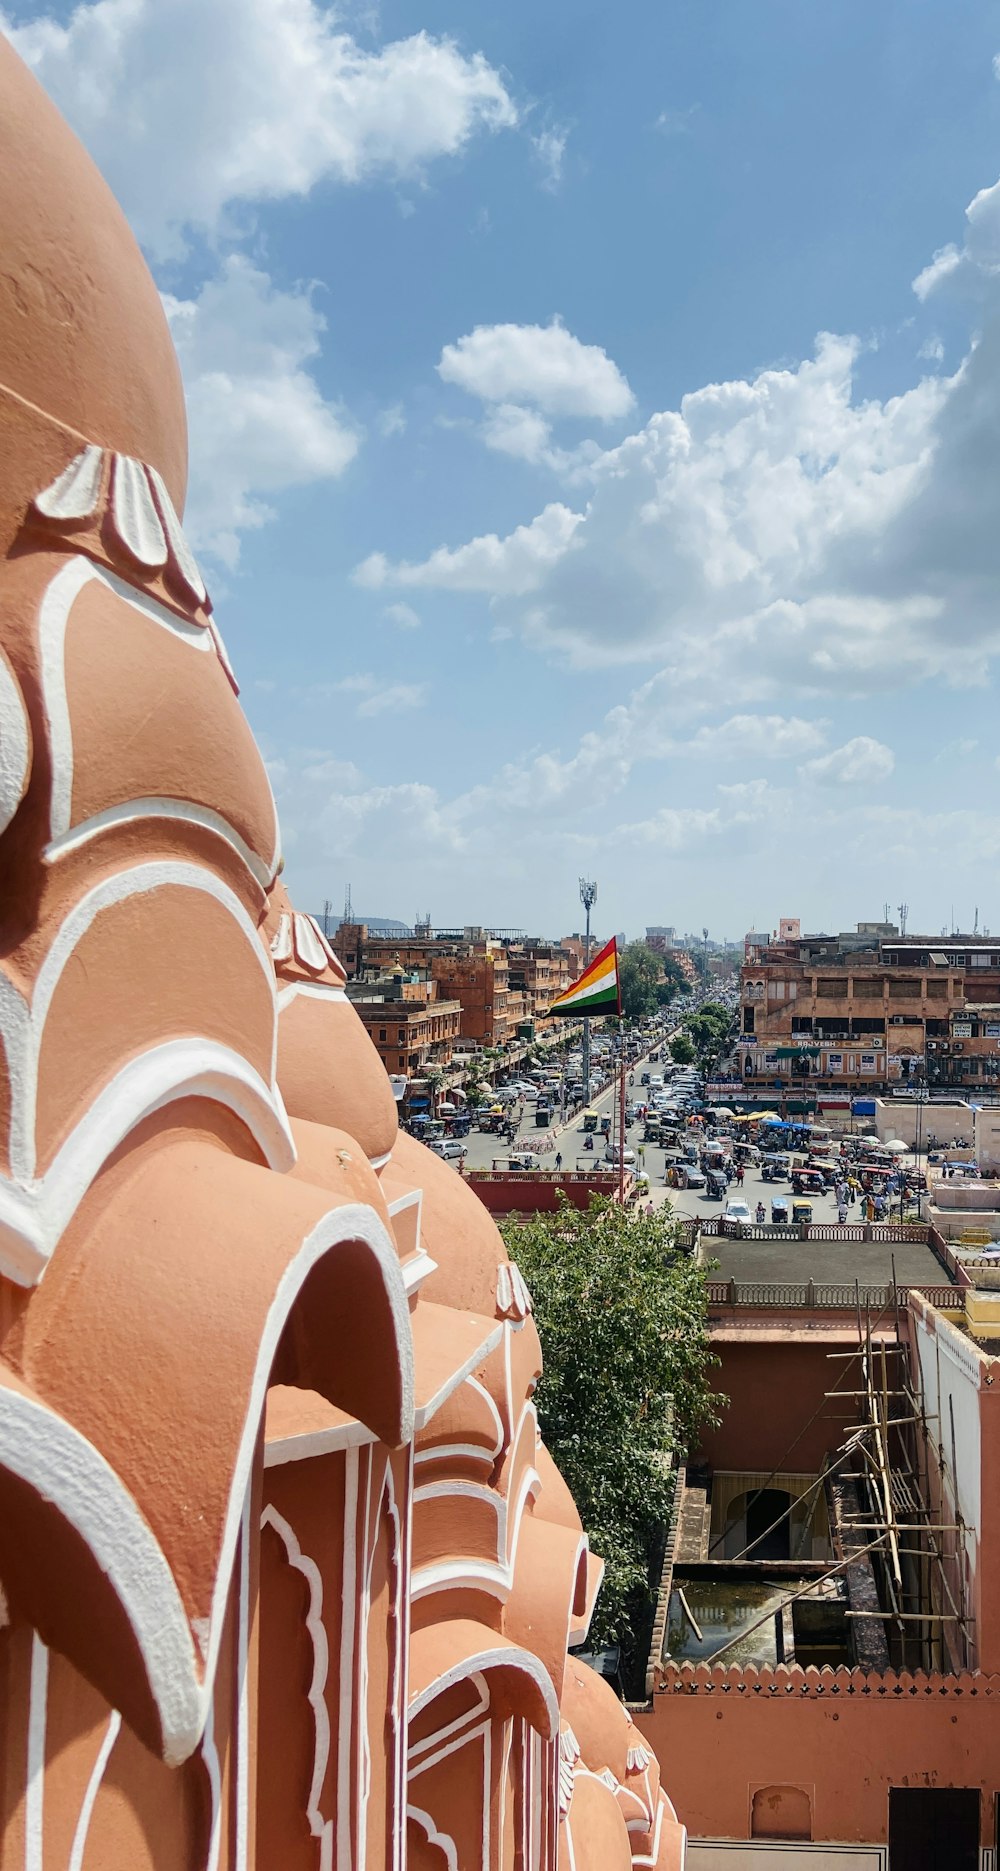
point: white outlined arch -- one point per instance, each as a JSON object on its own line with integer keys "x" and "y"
{"x": 320, "y": 1827}
{"x": 442, "y": 1840}
{"x": 54, "y": 613}
{"x": 68, "y": 1472}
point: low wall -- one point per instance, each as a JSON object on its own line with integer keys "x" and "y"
{"x": 898, "y": 1118}
{"x": 536, "y": 1191}
{"x": 843, "y": 1736}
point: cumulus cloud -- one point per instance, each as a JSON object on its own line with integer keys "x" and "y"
{"x": 403, "y": 616}
{"x": 382, "y": 698}
{"x": 268, "y": 99}
{"x": 513, "y": 565}
{"x": 860, "y": 762}
{"x": 978, "y": 258}
{"x": 259, "y": 423}
{"x": 544, "y": 366}
{"x": 759, "y": 737}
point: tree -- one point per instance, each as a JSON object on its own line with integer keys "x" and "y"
{"x": 639, "y": 973}
{"x": 622, "y": 1317}
{"x": 681, "y": 1050}
{"x": 674, "y": 981}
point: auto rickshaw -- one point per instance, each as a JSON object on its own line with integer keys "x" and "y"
{"x": 605, "y": 1127}
{"x": 590, "y": 1120}
{"x": 807, "y": 1182}
{"x": 779, "y": 1210}
{"x": 716, "y": 1184}
{"x": 801, "y": 1210}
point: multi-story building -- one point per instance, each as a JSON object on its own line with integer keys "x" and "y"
{"x": 540, "y": 971}
{"x": 871, "y": 1009}
{"x": 505, "y": 986}
{"x": 410, "y": 1023}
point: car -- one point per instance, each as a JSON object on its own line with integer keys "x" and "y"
{"x": 736, "y": 1216}
{"x": 611, "y": 1154}
{"x": 448, "y": 1147}
{"x": 694, "y": 1177}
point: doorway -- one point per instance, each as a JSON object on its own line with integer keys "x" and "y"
{"x": 933, "y": 1826}
{"x": 763, "y": 1509}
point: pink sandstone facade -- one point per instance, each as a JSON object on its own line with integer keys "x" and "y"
{"x": 288, "y": 1576}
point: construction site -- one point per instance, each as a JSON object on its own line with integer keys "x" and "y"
{"x": 824, "y": 1676}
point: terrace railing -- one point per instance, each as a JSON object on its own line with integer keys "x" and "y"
{"x": 828, "y": 1296}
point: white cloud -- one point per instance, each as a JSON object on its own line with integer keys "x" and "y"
{"x": 403, "y": 616}
{"x": 550, "y": 151}
{"x": 259, "y": 422}
{"x": 392, "y": 421}
{"x": 397, "y": 699}
{"x": 946, "y": 261}
{"x": 514, "y": 565}
{"x": 932, "y": 349}
{"x": 768, "y": 537}
{"x": 978, "y": 258}
{"x": 394, "y": 698}
{"x": 860, "y": 762}
{"x": 759, "y": 737}
{"x": 542, "y": 365}
{"x": 194, "y": 108}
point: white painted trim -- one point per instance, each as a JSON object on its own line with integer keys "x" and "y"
{"x": 309, "y": 990}
{"x": 479, "y": 1574}
{"x": 243, "y": 1789}
{"x": 184, "y": 558}
{"x": 210, "y": 1756}
{"x": 97, "y": 1772}
{"x": 452, "y": 1452}
{"x": 479, "y": 1707}
{"x": 352, "y": 1222}
{"x": 54, "y": 612}
{"x": 134, "y": 514}
{"x": 348, "y": 1639}
{"x": 423, "y": 1415}
{"x": 316, "y": 1442}
{"x": 484, "y": 1733}
{"x": 379, "y": 1162}
{"x": 320, "y": 1827}
{"x": 23, "y": 1021}
{"x": 442, "y": 1840}
{"x": 73, "y": 494}
{"x": 417, "y": 1269}
{"x": 15, "y": 745}
{"x": 34, "y": 1214}
{"x": 34, "y": 1792}
{"x": 63, "y": 1467}
{"x": 160, "y": 806}
{"x": 44, "y": 1450}
{"x": 513, "y": 1657}
{"x": 475, "y": 1384}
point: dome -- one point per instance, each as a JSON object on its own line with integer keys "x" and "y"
{"x": 83, "y": 336}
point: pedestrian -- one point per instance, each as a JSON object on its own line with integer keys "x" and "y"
{"x": 841, "y": 1212}
{"x": 650, "y": 1210}
{"x": 559, "y": 1159}
{"x": 739, "y": 1175}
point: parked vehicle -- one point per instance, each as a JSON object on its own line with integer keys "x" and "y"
{"x": 779, "y": 1210}
{"x": 611, "y": 1154}
{"x": 449, "y": 1148}
{"x": 801, "y": 1211}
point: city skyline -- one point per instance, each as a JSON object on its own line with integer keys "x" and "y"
{"x": 592, "y": 435}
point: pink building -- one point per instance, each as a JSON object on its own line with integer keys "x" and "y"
{"x": 288, "y": 1575}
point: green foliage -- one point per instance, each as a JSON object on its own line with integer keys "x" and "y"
{"x": 708, "y": 1030}
{"x": 682, "y": 1051}
{"x": 674, "y": 981}
{"x": 640, "y": 973}
{"x": 623, "y": 1323}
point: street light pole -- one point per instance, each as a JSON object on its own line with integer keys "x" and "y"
{"x": 588, "y": 897}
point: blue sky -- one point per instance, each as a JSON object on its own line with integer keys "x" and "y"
{"x": 595, "y": 419}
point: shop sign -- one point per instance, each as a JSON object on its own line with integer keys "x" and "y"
{"x": 961, "y": 1029}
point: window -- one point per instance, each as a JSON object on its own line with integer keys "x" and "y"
{"x": 802, "y": 1023}
{"x": 748, "y": 1019}
{"x": 399, "y": 1062}
{"x": 781, "y": 1813}
{"x": 933, "y": 1826}
{"x": 868, "y": 990}
{"x": 776, "y": 990}
{"x": 904, "y": 990}
{"x": 382, "y": 1034}
{"x": 827, "y": 989}
{"x": 867, "y": 1026}
{"x": 401, "y": 1036}
{"x": 937, "y": 990}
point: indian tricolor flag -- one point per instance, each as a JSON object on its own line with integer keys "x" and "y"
{"x": 596, "y": 991}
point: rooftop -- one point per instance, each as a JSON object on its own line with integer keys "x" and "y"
{"x": 787, "y": 1258}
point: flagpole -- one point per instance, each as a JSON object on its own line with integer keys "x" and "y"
{"x": 588, "y": 897}
{"x": 621, "y": 1107}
